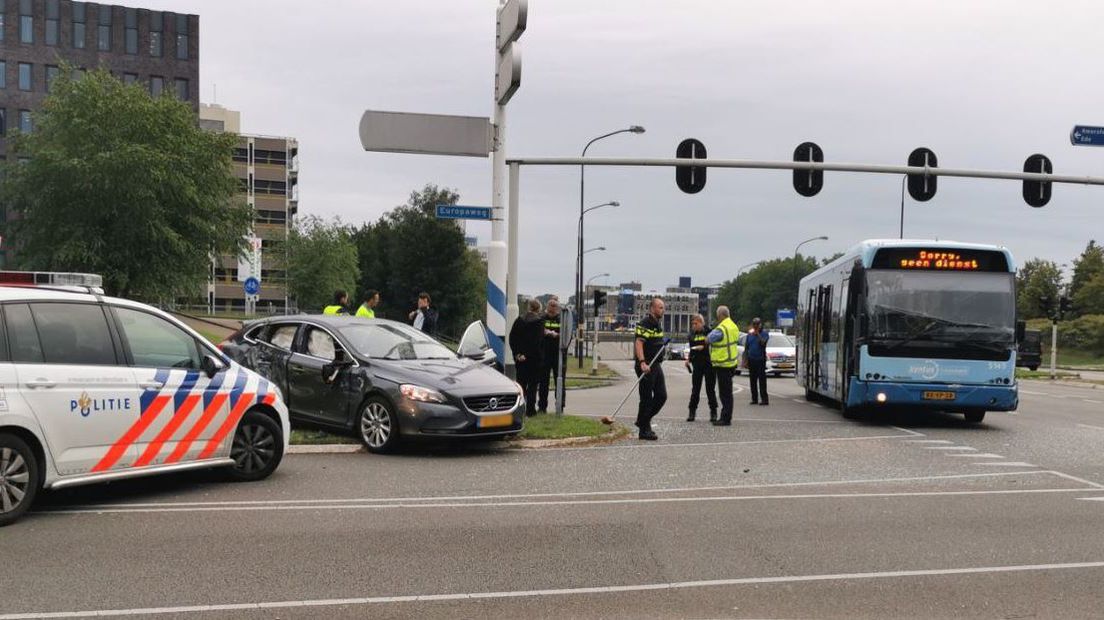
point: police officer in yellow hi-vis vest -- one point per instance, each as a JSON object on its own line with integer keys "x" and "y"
{"x": 724, "y": 354}
{"x": 367, "y": 310}
{"x": 340, "y": 300}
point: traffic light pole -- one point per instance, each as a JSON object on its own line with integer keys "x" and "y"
{"x": 1054, "y": 350}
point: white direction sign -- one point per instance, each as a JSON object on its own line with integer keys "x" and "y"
{"x": 427, "y": 134}
{"x": 511, "y": 22}
{"x": 249, "y": 261}
{"x": 508, "y": 78}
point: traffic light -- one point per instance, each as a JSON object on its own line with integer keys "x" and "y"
{"x": 922, "y": 186}
{"x": 690, "y": 179}
{"x": 808, "y": 182}
{"x": 599, "y": 301}
{"x": 1047, "y": 304}
{"x": 1065, "y": 305}
{"x": 1037, "y": 193}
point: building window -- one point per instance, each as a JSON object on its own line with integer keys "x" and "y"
{"x": 132, "y": 31}
{"x": 3, "y": 122}
{"x": 26, "y": 21}
{"x": 3, "y": 22}
{"x": 274, "y": 188}
{"x": 78, "y": 25}
{"x": 241, "y": 155}
{"x": 26, "y": 125}
{"x": 181, "y": 89}
{"x": 3, "y": 74}
{"x": 26, "y": 70}
{"x": 53, "y": 22}
{"x": 157, "y": 22}
{"x": 182, "y": 37}
{"x": 157, "y": 85}
{"x": 130, "y": 78}
{"x": 52, "y": 73}
{"x": 262, "y": 156}
{"x": 104, "y": 30}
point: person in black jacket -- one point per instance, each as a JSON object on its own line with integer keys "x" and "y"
{"x": 553, "y": 355}
{"x": 526, "y": 344}
{"x": 701, "y": 367}
{"x": 424, "y": 317}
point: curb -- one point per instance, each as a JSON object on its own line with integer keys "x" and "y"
{"x": 325, "y": 448}
{"x": 1078, "y": 384}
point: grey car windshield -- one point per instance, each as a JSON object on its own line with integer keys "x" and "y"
{"x": 394, "y": 342}
{"x": 944, "y": 306}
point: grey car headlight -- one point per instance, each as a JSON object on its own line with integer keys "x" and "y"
{"x": 421, "y": 394}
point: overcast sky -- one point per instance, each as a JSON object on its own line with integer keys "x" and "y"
{"x": 982, "y": 83}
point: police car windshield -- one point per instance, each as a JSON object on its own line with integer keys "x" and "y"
{"x": 394, "y": 342}
{"x": 779, "y": 340}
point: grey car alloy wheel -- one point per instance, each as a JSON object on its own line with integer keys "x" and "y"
{"x": 375, "y": 425}
{"x": 15, "y": 479}
{"x": 253, "y": 448}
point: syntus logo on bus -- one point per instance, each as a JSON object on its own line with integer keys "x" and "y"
{"x": 939, "y": 260}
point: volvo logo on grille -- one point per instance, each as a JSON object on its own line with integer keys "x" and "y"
{"x": 492, "y": 404}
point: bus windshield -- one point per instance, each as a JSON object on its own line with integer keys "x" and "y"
{"x": 947, "y": 307}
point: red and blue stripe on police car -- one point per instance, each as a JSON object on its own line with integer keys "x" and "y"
{"x": 226, "y": 398}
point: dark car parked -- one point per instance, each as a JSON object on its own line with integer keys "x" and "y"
{"x": 380, "y": 380}
{"x": 1029, "y": 351}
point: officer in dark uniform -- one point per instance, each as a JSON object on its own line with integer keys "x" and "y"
{"x": 653, "y": 387}
{"x": 701, "y": 368}
{"x": 553, "y": 356}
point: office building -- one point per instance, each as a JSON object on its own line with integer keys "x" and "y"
{"x": 157, "y": 49}
{"x": 268, "y": 170}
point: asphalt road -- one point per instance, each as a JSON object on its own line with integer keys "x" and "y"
{"x": 792, "y": 512}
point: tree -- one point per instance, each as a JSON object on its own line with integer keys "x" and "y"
{"x": 1036, "y": 281}
{"x": 409, "y": 251}
{"x": 322, "y": 258}
{"x": 115, "y": 182}
{"x": 1090, "y": 297}
{"x": 766, "y": 288}
{"x": 1086, "y": 268}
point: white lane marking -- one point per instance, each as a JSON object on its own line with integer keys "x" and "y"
{"x": 674, "y": 418}
{"x": 1076, "y": 479}
{"x": 515, "y": 594}
{"x": 1095, "y": 402}
{"x": 1099, "y": 428}
{"x": 443, "y": 498}
{"x": 1006, "y": 464}
{"x": 1022, "y": 391}
{"x": 1092, "y": 499}
{"x": 951, "y": 448}
{"x": 928, "y": 441}
{"x": 980, "y": 455}
{"x": 908, "y": 431}
{"x": 572, "y": 502}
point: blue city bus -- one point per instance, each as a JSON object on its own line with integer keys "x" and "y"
{"x": 902, "y": 323}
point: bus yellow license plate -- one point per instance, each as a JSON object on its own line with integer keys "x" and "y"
{"x": 939, "y": 395}
{"x": 493, "y": 421}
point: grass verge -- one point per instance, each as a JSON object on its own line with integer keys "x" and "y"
{"x": 551, "y": 426}
{"x": 1022, "y": 373}
{"x": 301, "y": 437}
{"x": 573, "y": 370}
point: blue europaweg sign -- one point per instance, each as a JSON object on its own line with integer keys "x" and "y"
{"x": 461, "y": 212}
{"x": 252, "y": 286}
{"x": 1084, "y": 135}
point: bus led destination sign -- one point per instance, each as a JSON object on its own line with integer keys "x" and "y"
{"x": 949, "y": 261}
{"x": 943, "y": 259}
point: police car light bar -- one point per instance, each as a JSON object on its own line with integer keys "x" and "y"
{"x": 92, "y": 282}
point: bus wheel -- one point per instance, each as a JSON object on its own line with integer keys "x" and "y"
{"x": 975, "y": 417}
{"x": 852, "y": 413}
{"x": 811, "y": 396}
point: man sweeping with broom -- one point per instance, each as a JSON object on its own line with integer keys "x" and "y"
{"x": 649, "y": 368}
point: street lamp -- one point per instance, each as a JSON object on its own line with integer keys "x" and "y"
{"x": 637, "y": 129}
{"x": 593, "y": 278}
{"x": 600, "y": 248}
{"x": 796, "y": 282}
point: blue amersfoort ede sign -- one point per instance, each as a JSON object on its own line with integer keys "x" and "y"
{"x": 462, "y": 212}
{"x": 1084, "y": 135}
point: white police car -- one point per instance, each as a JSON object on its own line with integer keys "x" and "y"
{"x": 94, "y": 388}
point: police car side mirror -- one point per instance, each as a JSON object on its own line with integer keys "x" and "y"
{"x": 211, "y": 366}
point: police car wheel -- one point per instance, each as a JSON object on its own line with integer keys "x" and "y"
{"x": 257, "y": 449}
{"x": 378, "y": 426}
{"x": 19, "y": 478}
